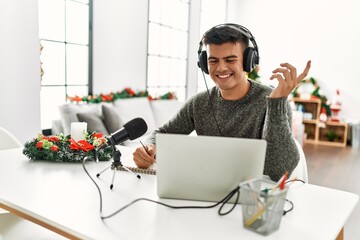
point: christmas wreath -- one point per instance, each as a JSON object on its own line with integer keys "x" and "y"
{"x": 62, "y": 148}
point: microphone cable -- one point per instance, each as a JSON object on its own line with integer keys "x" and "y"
{"x": 222, "y": 202}
{"x": 211, "y": 105}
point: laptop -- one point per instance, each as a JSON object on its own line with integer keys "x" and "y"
{"x": 205, "y": 168}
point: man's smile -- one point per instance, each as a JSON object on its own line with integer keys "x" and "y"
{"x": 224, "y": 76}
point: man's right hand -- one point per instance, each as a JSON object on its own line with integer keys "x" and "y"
{"x": 143, "y": 158}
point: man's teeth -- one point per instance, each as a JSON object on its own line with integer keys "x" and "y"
{"x": 224, "y": 76}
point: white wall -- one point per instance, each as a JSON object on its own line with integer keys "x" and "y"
{"x": 120, "y": 45}
{"x": 20, "y": 68}
{"x": 324, "y": 31}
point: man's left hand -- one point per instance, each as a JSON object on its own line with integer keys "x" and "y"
{"x": 288, "y": 79}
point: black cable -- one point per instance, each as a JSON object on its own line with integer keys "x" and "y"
{"x": 211, "y": 105}
{"x": 287, "y": 200}
{"x": 291, "y": 207}
{"x": 223, "y": 201}
{"x": 83, "y": 164}
{"x": 294, "y": 180}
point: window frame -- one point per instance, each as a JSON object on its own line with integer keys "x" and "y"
{"x": 89, "y": 45}
{"x": 163, "y": 88}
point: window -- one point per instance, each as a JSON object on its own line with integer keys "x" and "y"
{"x": 66, "y": 49}
{"x": 167, "y": 47}
{"x": 168, "y": 43}
{"x": 213, "y": 12}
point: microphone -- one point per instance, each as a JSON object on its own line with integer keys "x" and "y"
{"x": 131, "y": 130}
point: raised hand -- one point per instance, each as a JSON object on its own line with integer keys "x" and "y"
{"x": 288, "y": 79}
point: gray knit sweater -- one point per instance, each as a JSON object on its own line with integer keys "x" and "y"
{"x": 254, "y": 116}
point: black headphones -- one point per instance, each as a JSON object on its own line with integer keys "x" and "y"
{"x": 251, "y": 54}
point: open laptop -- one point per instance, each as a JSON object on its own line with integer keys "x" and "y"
{"x": 205, "y": 168}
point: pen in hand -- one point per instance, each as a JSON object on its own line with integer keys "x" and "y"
{"x": 146, "y": 148}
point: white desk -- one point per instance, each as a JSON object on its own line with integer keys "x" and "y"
{"x": 61, "y": 197}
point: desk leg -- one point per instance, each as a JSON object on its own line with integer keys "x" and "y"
{"x": 340, "y": 236}
{"x": 39, "y": 222}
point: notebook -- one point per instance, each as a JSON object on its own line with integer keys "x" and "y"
{"x": 128, "y": 162}
{"x": 205, "y": 168}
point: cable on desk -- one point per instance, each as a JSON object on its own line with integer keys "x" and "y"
{"x": 100, "y": 195}
{"x": 291, "y": 207}
{"x": 222, "y": 202}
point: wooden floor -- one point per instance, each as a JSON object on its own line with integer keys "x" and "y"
{"x": 338, "y": 168}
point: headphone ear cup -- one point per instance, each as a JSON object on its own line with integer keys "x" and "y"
{"x": 202, "y": 63}
{"x": 249, "y": 59}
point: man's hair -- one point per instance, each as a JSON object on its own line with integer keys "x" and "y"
{"x": 225, "y": 33}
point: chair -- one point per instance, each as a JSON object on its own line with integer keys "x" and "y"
{"x": 8, "y": 140}
{"x": 12, "y": 226}
{"x": 300, "y": 170}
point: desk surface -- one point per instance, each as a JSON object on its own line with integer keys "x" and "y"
{"x": 63, "y": 197}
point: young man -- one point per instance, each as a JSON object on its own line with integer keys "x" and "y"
{"x": 237, "y": 106}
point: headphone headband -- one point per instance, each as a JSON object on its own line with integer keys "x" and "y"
{"x": 251, "y": 55}
{"x": 236, "y": 27}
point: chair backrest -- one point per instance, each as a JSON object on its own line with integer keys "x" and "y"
{"x": 8, "y": 140}
{"x": 300, "y": 171}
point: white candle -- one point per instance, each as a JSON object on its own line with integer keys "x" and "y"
{"x": 78, "y": 130}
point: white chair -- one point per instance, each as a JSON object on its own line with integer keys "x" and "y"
{"x": 8, "y": 140}
{"x": 12, "y": 226}
{"x": 300, "y": 171}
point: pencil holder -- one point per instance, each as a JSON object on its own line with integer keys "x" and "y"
{"x": 262, "y": 205}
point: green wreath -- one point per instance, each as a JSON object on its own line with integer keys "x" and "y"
{"x": 60, "y": 148}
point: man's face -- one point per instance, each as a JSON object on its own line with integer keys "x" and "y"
{"x": 225, "y": 63}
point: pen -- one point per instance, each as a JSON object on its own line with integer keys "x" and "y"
{"x": 146, "y": 148}
{"x": 280, "y": 184}
{"x": 283, "y": 181}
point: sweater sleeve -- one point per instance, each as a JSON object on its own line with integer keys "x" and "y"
{"x": 282, "y": 154}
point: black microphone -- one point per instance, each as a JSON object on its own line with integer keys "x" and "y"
{"x": 131, "y": 130}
